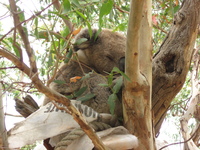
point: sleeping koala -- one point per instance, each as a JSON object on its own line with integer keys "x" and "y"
{"x": 99, "y": 54}
{"x": 104, "y": 52}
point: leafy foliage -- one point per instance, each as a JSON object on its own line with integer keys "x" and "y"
{"x": 118, "y": 82}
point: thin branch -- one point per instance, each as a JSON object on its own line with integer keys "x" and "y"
{"x": 13, "y": 67}
{"x": 121, "y": 10}
{"x": 23, "y": 84}
{"x": 17, "y": 46}
{"x": 7, "y": 114}
{"x": 178, "y": 142}
{"x": 25, "y": 21}
{"x": 23, "y": 35}
{"x": 132, "y": 49}
{"x": 161, "y": 29}
{"x": 66, "y": 21}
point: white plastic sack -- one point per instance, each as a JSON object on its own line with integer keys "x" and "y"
{"x": 46, "y": 122}
{"x": 116, "y": 138}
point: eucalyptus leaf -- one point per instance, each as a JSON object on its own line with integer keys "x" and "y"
{"x": 81, "y": 15}
{"x": 80, "y": 91}
{"x": 76, "y": 2}
{"x": 105, "y": 10}
{"x": 86, "y": 76}
{"x": 68, "y": 56}
{"x": 111, "y": 102}
{"x": 66, "y": 6}
{"x": 86, "y": 97}
{"x": 59, "y": 81}
{"x": 118, "y": 85}
{"x": 81, "y": 40}
{"x": 104, "y": 85}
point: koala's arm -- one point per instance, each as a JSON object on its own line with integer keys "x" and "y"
{"x": 100, "y": 102}
{"x": 65, "y": 74}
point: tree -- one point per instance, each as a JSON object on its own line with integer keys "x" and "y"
{"x": 170, "y": 64}
{"x": 137, "y": 92}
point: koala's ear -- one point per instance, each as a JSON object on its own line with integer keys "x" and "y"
{"x": 84, "y": 40}
{"x": 79, "y": 43}
{"x": 122, "y": 64}
{"x": 82, "y": 57}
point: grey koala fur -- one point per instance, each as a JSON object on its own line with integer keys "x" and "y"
{"x": 100, "y": 54}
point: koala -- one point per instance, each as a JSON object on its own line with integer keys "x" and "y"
{"x": 97, "y": 55}
{"x": 103, "y": 52}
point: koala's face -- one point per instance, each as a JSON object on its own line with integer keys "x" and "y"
{"x": 104, "y": 52}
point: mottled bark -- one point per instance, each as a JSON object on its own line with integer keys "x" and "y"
{"x": 171, "y": 63}
{"x": 137, "y": 92}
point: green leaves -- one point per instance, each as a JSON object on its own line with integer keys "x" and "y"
{"x": 111, "y": 102}
{"x": 118, "y": 82}
{"x": 80, "y": 91}
{"x": 118, "y": 85}
{"x": 66, "y": 6}
{"x": 86, "y": 97}
{"x": 105, "y": 10}
{"x": 68, "y": 56}
{"x": 59, "y": 82}
{"x": 81, "y": 40}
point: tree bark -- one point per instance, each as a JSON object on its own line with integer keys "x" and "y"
{"x": 3, "y": 131}
{"x": 172, "y": 61}
{"x": 137, "y": 91}
{"x": 192, "y": 107}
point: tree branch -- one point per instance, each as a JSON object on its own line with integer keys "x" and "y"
{"x": 137, "y": 92}
{"x": 67, "y": 22}
{"x": 192, "y": 107}
{"x": 24, "y": 36}
{"x": 32, "y": 17}
{"x": 172, "y": 61}
{"x": 3, "y": 132}
{"x": 133, "y": 35}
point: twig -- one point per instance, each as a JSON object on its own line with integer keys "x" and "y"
{"x": 66, "y": 21}
{"x": 121, "y": 10}
{"x": 32, "y": 17}
{"x": 24, "y": 36}
{"x": 158, "y": 27}
{"x": 8, "y": 67}
{"x": 7, "y": 114}
{"x": 179, "y": 142}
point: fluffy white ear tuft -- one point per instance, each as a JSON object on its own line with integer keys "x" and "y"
{"x": 82, "y": 57}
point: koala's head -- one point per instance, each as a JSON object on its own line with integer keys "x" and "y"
{"x": 102, "y": 52}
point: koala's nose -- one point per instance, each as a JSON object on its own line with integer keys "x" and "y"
{"x": 122, "y": 64}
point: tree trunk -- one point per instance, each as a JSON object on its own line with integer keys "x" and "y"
{"x": 171, "y": 63}
{"x": 3, "y": 132}
{"x": 137, "y": 92}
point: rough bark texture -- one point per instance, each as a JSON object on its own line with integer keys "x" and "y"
{"x": 171, "y": 63}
